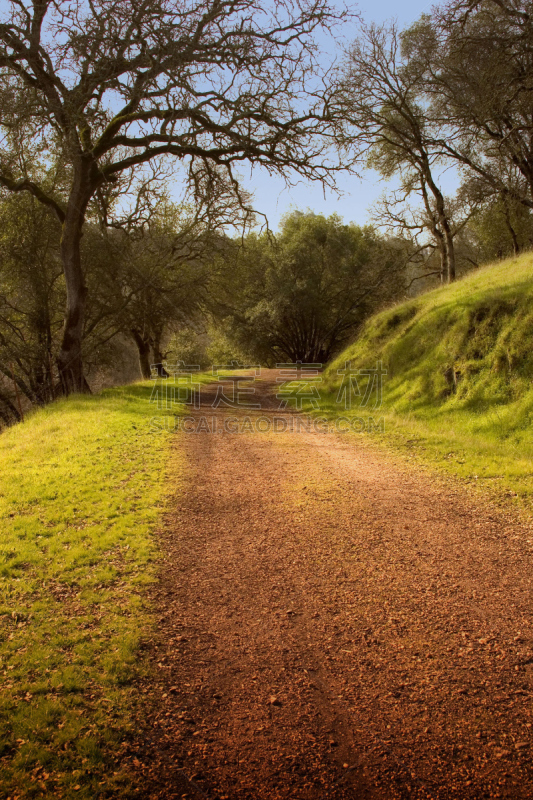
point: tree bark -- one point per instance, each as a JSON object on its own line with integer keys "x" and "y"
{"x": 69, "y": 359}
{"x": 443, "y": 222}
{"x": 516, "y": 246}
{"x": 434, "y": 227}
{"x": 450, "y": 253}
{"x": 143, "y": 346}
{"x": 158, "y": 356}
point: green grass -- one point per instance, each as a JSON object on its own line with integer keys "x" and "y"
{"x": 81, "y": 489}
{"x": 459, "y": 388}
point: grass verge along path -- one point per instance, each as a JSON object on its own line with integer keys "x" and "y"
{"x": 81, "y": 488}
{"x": 458, "y": 390}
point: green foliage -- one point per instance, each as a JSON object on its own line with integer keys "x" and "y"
{"x": 189, "y": 346}
{"x": 164, "y": 272}
{"x": 460, "y": 370}
{"x": 32, "y": 296}
{"x": 303, "y": 294}
{"x": 80, "y": 492}
{"x": 223, "y": 349}
{"x": 502, "y": 228}
{"x": 214, "y": 346}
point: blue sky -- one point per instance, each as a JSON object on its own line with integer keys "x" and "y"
{"x": 273, "y": 198}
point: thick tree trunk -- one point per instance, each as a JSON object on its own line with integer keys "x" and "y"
{"x": 158, "y": 356}
{"x": 69, "y": 359}
{"x": 143, "y": 346}
{"x": 434, "y": 221}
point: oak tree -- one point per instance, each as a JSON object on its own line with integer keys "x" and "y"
{"x": 475, "y": 58}
{"x": 302, "y": 295}
{"x": 105, "y": 87}
{"x": 387, "y": 126}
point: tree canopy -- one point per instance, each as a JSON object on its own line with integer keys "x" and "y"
{"x": 301, "y": 295}
{"x": 104, "y": 89}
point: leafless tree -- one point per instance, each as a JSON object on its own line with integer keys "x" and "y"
{"x": 410, "y": 214}
{"x": 161, "y": 254}
{"x": 476, "y": 58}
{"x": 386, "y": 125}
{"x": 106, "y": 87}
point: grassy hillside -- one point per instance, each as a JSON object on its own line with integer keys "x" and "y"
{"x": 81, "y": 489}
{"x": 459, "y": 386}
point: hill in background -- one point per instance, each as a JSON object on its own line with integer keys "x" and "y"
{"x": 459, "y": 366}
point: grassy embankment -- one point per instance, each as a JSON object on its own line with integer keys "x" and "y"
{"x": 459, "y": 390}
{"x": 81, "y": 489}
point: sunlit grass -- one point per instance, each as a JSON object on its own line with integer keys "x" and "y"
{"x": 459, "y": 389}
{"x": 81, "y": 490}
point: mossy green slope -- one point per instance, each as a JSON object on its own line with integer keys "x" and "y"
{"x": 460, "y": 367}
{"x": 81, "y": 489}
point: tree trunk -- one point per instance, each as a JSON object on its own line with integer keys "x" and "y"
{"x": 143, "y": 346}
{"x": 158, "y": 356}
{"x": 434, "y": 219}
{"x": 450, "y": 254}
{"x": 12, "y": 411}
{"x": 442, "y": 254}
{"x": 69, "y": 359}
{"x": 442, "y": 219}
{"x": 516, "y": 246}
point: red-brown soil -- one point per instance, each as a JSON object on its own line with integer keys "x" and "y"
{"x": 333, "y": 624}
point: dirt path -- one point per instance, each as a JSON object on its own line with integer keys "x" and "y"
{"x": 335, "y": 626}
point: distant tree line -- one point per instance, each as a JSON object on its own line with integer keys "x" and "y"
{"x": 179, "y": 280}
